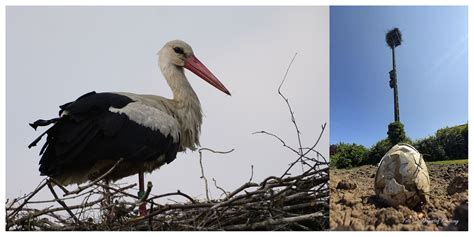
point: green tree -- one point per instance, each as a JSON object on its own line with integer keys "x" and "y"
{"x": 396, "y": 133}
{"x": 378, "y": 150}
{"x": 348, "y": 155}
{"x": 447, "y": 144}
{"x": 431, "y": 149}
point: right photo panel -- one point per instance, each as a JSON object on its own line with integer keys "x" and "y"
{"x": 399, "y": 118}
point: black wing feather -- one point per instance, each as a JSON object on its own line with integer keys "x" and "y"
{"x": 89, "y": 132}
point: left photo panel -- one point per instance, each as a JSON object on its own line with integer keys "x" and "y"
{"x": 167, "y": 118}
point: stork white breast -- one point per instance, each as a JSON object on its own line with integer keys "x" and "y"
{"x": 150, "y": 117}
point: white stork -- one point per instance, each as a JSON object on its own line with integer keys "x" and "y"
{"x": 95, "y": 131}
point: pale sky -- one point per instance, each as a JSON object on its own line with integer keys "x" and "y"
{"x": 56, "y": 54}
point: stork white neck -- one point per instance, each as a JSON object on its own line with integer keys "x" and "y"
{"x": 187, "y": 106}
{"x": 179, "y": 84}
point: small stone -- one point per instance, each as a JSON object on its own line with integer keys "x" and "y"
{"x": 458, "y": 184}
{"x": 357, "y": 225}
{"x": 347, "y": 217}
{"x": 438, "y": 218}
{"x": 460, "y": 217}
{"x": 389, "y": 216}
{"x": 382, "y": 227}
{"x": 356, "y": 213}
{"x": 344, "y": 184}
{"x": 405, "y": 228}
{"x": 348, "y": 199}
{"x": 358, "y": 206}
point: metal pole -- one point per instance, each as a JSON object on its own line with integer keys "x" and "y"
{"x": 395, "y": 87}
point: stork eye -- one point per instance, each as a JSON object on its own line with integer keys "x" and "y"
{"x": 178, "y": 50}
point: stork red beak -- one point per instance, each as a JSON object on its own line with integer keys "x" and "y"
{"x": 194, "y": 65}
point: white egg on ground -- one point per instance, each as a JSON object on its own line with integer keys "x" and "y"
{"x": 402, "y": 177}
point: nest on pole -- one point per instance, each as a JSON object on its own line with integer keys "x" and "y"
{"x": 393, "y": 38}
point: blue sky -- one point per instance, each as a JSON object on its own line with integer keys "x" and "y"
{"x": 431, "y": 67}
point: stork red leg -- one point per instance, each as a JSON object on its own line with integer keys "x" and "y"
{"x": 107, "y": 201}
{"x": 141, "y": 191}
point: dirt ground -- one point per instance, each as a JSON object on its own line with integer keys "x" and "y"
{"x": 354, "y": 205}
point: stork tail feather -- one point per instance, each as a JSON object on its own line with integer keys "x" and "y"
{"x": 37, "y": 140}
{"x": 42, "y": 122}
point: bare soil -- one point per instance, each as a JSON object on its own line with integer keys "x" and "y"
{"x": 354, "y": 205}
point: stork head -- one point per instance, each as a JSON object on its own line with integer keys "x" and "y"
{"x": 180, "y": 54}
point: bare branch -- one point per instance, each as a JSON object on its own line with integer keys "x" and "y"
{"x": 323, "y": 127}
{"x": 251, "y": 173}
{"x": 273, "y": 222}
{"x": 63, "y": 204}
{"x": 41, "y": 186}
{"x": 293, "y": 119}
{"x": 223, "y": 191}
{"x": 179, "y": 193}
{"x": 206, "y": 185}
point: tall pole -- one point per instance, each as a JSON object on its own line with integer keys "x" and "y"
{"x": 395, "y": 88}
{"x": 394, "y": 39}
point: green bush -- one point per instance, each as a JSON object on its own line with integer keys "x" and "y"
{"x": 396, "y": 133}
{"x": 343, "y": 162}
{"x": 450, "y": 143}
{"x": 378, "y": 150}
{"x": 454, "y": 140}
{"x": 345, "y": 155}
{"x": 431, "y": 149}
